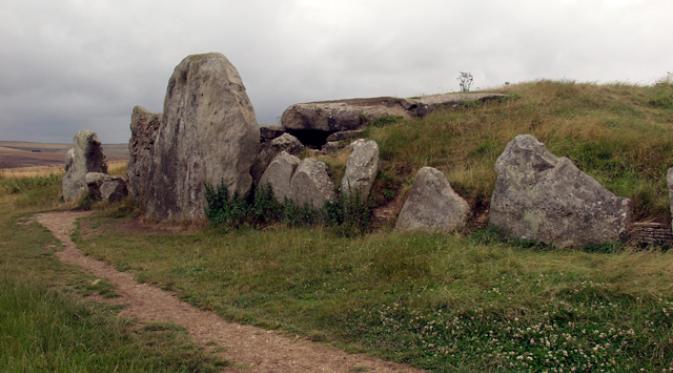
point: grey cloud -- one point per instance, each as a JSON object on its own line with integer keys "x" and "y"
{"x": 73, "y": 64}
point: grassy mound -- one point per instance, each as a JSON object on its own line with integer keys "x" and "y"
{"x": 622, "y": 135}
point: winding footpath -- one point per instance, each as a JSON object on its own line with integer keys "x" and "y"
{"x": 248, "y": 348}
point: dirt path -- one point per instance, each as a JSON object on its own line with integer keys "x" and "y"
{"x": 249, "y": 348}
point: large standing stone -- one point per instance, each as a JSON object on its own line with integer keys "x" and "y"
{"x": 432, "y": 205}
{"x": 361, "y": 168}
{"x": 279, "y": 174}
{"x": 544, "y": 198}
{"x": 208, "y": 135}
{"x": 144, "y": 127}
{"x": 269, "y": 150}
{"x": 311, "y": 184}
{"x": 86, "y": 156}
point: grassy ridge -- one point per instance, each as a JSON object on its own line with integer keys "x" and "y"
{"x": 44, "y": 323}
{"x": 470, "y": 302}
{"x": 620, "y": 134}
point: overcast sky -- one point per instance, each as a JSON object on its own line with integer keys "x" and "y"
{"x": 72, "y": 64}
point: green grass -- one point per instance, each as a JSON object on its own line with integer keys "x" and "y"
{"x": 443, "y": 303}
{"x": 620, "y": 134}
{"x": 471, "y": 302}
{"x": 43, "y": 330}
{"x": 45, "y": 322}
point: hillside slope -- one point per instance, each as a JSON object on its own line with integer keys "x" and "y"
{"x": 620, "y": 134}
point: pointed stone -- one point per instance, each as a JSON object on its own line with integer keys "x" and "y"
{"x": 432, "y": 205}
{"x": 541, "y": 197}
{"x": 208, "y": 135}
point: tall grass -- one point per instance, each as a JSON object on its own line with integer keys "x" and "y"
{"x": 44, "y": 323}
{"x": 43, "y": 330}
{"x": 347, "y": 215}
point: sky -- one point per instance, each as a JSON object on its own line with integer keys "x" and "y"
{"x": 72, "y": 64}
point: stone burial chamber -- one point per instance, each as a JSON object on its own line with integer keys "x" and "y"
{"x": 317, "y": 123}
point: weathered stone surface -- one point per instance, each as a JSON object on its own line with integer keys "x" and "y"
{"x": 106, "y": 187}
{"x": 314, "y": 122}
{"x": 311, "y": 184}
{"x": 341, "y": 115}
{"x": 345, "y": 135}
{"x": 361, "y": 168}
{"x": 426, "y": 104}
{"x": 144, "y": 127}
{"x": 432, "y": 205}
{"x": 270, "y": 132}
{"x": 333, "y": 147}
{"x": 543, "y": 198}
{"x": 208, "y": 135}
{"x": 85, "y": 156}
{"x": 279, "y": 174}
{"x": 669, "y": 182}
{"x": 113, "y": 190}
{"x": 645, "y": 234}
{"x": 269, "y": 150}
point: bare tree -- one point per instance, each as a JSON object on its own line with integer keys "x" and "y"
{"x": 465, "y": 80}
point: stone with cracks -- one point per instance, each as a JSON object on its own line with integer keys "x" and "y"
{"x": 361, "y": 168}
{"x": 541, "y": 197}
{"x": 85, "y": 156}
{"x": 279, "y": 174}
{"x": 269, "y": 150}
{"x": 341, "y": 115}
{"x": 208, "y": 135}
{"x": 104, "y": 187}
{"x": 315, "y": 122}
{"x": 311, "y": 184}
{"x": 144, "y": 127}
{"x": 432, "y": 205}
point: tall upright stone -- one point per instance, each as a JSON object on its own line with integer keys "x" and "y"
{"x": 85, "y": 156}
{"x": 208, "y": 135}
{"x": 541, "y": 197}
{"x": 144, "y": 127}
{"x": 361, "y": 169}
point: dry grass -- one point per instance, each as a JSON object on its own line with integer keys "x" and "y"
{"x": 114, "y": 168}
{"x": 336, "y": 163}
{"x": 117, "y": 168}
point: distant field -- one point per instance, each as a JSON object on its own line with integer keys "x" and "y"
{"x": 15, "y": 154}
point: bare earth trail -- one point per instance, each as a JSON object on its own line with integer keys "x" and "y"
{"x": 249, "y": 348}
